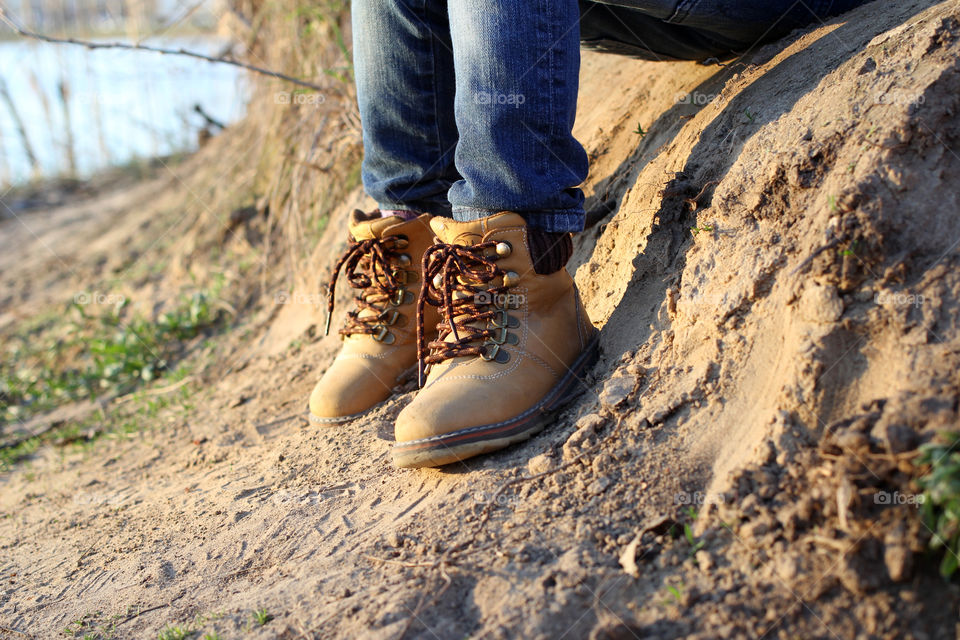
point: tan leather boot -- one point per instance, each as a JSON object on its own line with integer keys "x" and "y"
{"x": 379, "y": 349}
{"x": 513, "y": 344}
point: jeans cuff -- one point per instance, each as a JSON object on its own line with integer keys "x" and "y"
{"x": 433, "y": 208}
{"x": 556, "y": 221}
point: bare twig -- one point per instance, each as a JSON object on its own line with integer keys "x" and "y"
{"x": 210, "y": 120}
{"x": 401, "y": 563}
{"x": 53, "y": 420}
{"x": 154, "y": 392}
{"x": 26, "y": 33}
{"x": 838, "y": 545}
{"x": 694, "y": 202}
{"x": 140, "y": 613}
{"x": 809, "y": 259}
{"x": 11, "y": 444}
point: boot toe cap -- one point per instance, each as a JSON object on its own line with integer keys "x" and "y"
{"x": 459, "y": 407}
{"x": 346, "y": 390}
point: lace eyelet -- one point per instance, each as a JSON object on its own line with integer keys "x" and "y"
{"x": 500, "y": 319}
{"x": 491, "y": 351}
{"x": 383, "y": 335}
{"x": 401, "y": 297}
{"x": 501, "y": 338}
{"x": 388, "y": 317}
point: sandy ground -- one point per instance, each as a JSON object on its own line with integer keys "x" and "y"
{"x": 774, "y": 276}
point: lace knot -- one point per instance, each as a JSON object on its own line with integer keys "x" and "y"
{"x": 374, "y": 266}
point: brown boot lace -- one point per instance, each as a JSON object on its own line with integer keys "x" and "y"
{"x": 375, "y": 266}
{"x": 457, "y": 279}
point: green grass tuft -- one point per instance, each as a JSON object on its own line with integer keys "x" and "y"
{"x": 172, "y": 632}
{"x": 80, "y": 356}
{"x": 261, "y": 617}
{"x": 941, "y": 497}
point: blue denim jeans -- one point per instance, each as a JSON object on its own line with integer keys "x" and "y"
{"x": 468, "y": 105}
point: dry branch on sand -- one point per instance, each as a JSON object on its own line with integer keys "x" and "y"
{"x": 137, "y": 46}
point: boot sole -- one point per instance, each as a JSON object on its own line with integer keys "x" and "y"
{"x": 472, "y": 441}
{"x": 329, "y": 422}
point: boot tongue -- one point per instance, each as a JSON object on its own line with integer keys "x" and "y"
{"x": 470, "y": 233}
{"x": 367, "y": 226}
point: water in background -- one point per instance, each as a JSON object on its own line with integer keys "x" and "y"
{"x": 122, "y": 105}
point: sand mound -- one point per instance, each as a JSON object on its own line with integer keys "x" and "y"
{"x": 784, "y": 257}
{"x": 773, "y": 271}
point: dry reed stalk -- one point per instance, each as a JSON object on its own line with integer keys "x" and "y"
{"x": 63, "y": 91}
{"x": 42, "y": 98}
{"x": 97, "y": 109}
{"x": 18, "y": 125}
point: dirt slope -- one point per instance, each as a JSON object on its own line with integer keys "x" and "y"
{"x": 774, "y": 273}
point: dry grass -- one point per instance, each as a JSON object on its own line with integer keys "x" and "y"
{"x": 294, "y": 156}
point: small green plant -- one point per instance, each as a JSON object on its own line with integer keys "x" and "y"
{"x": 941, "y": 497}
{"x": 639, "y": 130}
{"x": 261, "y": 617}
{"x": 750, "y": 116}
{"x": 850, "y": 250}
{"x": 96, "y": 625}
{"x": 171, "y": 632}
{"x": 695, "y": 545}
{"x": 213, "y": 635}
{"x": 57, "y": 360}
{"x": 705, "y": 228}
{"x": 84, "y": 627}
{"x": 676, "y": 592}
{"x": 54, "y": 363}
